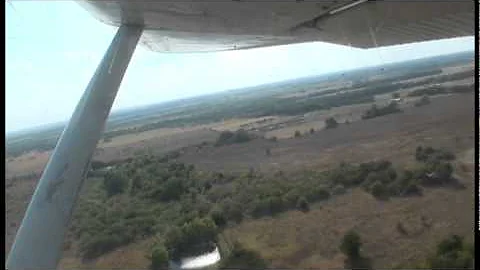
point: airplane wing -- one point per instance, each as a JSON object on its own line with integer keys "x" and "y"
{"x": 202, "y": 26}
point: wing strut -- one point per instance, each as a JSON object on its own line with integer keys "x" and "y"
{"x": 39, "y": 240}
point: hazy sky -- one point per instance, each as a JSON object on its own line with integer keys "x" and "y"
{"x": 54, "y": 47}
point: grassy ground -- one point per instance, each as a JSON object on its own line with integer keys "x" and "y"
{"x": 296, "y": 239}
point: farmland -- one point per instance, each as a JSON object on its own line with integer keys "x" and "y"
{"x": 271, "y": 153}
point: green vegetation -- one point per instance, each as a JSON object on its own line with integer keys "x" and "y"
{"x": 187, "y": 208}
{"x": 437, "y": 90}
{"x": 228, "y": 137}
{"x": 452, "y": 253}
{"x": 249, "y": 103}
{"x": 330, "y": 123}
{"x": 351, "y": 244}
{"x": 375, "y": 111}
{"x": 114, "y": 182}
{"x": 159, "y": 258}
{"x": 192, "y": 238}
{"x": 303, "y": 205}
{"x": 297, "y": 134}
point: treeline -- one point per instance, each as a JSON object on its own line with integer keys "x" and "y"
{"x": 187, "y": 208}
{"x": 229, "y": 137}
{"x": 376, "y": 111}
{"x": 438, "y": 89}
{"x": 18, "y": 148}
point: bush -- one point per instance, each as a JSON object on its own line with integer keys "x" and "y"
{"x": 171, "y": 190}
{"x": 375, "y": 111}
{"x": 159, "y": 258}
{"x": 331, "y": 123}
{"x": 100, "y": 244}
{"x": 452, "y": 253}
{"x": 192, "y": 238}
{"x": 297, "y": 134}
{"x": 218, "y": 217}
{"x": 379, "y": 190}
{"x": 303, "y": 205}
{"x": 228, "y": 137}
{"x": 114, "y": 183}
{"x": 411, "y": 189}
{"x": 429, "y": 154}
{"x": 351, "y": 244}
{"x": 317, "y": 194}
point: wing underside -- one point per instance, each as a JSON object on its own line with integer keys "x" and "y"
{"x": 229, "y": 25}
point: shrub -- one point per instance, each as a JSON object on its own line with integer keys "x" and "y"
{"x": 228, "y": 137}
{"x": 297, "y": 134}
{"x": 331, "y": 123}
{"x": 379, "y": 190}
{"x": 114, "y": 183}
{"x": 218, "y": 217}
{"x": 317, "y": 194}
{"x": 351, "y": 244}
{"x": 411, "y": 189}
{"x": 159, "y": 258}
{"x": 192, "y": 238}
{"x": 452, "y": 253}
{"x": 375, "y": 111}
{"x": 303, "y": 205}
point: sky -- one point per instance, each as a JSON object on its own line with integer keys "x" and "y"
{"x": 54, "y": 47}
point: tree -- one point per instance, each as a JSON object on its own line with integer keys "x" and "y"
{"x": 218, "y": 217}
{"x": 114, "y": 183}
{"x": 159, "y": 258}
{"x": 312, "y": 131}
{"x": 452, "y": 253}
{"x": 297, "y": 134}
{"x": 396, "y": 95}
{"x": 351, "y": 244}
{"x": 331, "y": 123}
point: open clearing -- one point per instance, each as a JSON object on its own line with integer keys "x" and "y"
{"x": 446, "y": 122}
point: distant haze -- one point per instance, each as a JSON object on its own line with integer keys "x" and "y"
{"x": 53, "y": 48}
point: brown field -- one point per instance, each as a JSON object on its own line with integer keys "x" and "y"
{"x": 447, "y": 122}
{"x": 296, "y": 239}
